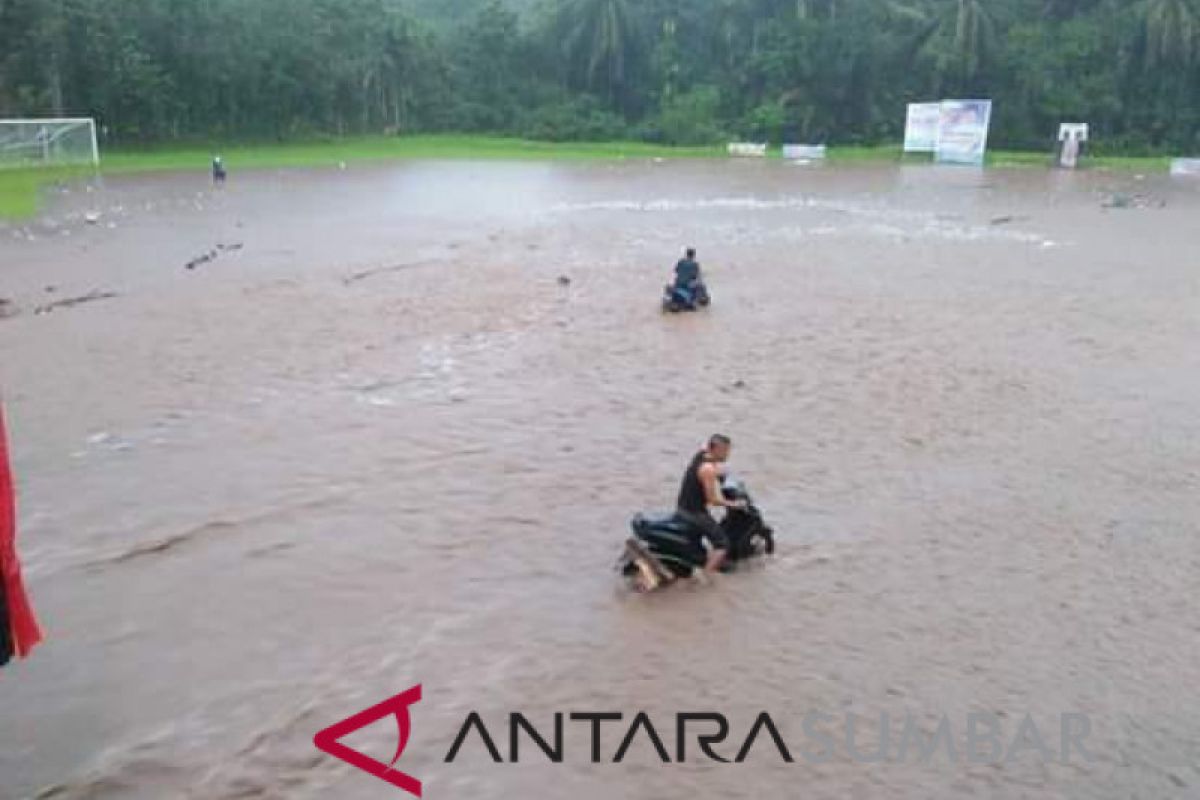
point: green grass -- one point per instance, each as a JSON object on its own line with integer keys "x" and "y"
{"x": 863, "y": 154}
{"x": 20, "y": 189}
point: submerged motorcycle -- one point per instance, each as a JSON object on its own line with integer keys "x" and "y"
{"x": 665, "y": 547}
{"x": 684, "y": 298}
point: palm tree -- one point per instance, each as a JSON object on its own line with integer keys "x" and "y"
{"x": 601, "y": 39}
{"x": 1172, "y": 31}
{"x": 958, "y": 34}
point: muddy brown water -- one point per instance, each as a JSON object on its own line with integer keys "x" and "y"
{"x": 373, "y": 441}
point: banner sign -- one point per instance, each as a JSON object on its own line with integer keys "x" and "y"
{"x": 747, "y": 149}
{"x": 1073, "y": 130}
{"x": 921, "y": 127}
{"x": 801, "y": 152}
{"x": 1186, "y": 167}
{"x": 963, "y": 131}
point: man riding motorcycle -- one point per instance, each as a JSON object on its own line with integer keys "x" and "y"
{"x": 699, "y": 489}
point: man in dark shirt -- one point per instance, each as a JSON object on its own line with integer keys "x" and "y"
{"x": 701, "y": 489}
{"x": 687, "y": 270}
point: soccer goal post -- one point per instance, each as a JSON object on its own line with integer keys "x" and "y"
{"x": 48, "y": 142}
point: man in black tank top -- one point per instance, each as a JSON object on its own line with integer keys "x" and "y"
{"x": 699, "y": 490}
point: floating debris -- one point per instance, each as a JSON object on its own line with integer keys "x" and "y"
{"x": 197, "y": 261}
{"x": 1121, "y": 200}
{"x": 90, "y": 297}
{"x": 564, "y": 280}
{"x": 1118, "y": 201}
{"x": 8, "y": 308}
{"x": 202, "y": 259}
{"x": 368, "y": 273}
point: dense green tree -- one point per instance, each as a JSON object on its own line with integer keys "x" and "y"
{"x": 665, "y": 70}
{"x": 601, "y": 42}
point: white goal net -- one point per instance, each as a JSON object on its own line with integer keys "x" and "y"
{"x": 47, "y": 142}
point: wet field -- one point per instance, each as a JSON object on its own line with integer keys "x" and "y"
{"x": 391, "y": 424}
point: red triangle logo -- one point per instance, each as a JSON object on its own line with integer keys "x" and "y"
{"x": 327, "y": 740}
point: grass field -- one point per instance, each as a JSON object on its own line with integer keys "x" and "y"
{"x": 19, "y": 188}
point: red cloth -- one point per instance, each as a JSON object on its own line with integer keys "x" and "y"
{"x": 25, "y": 631}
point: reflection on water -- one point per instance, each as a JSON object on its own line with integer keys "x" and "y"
{"x": 383, "y": 444}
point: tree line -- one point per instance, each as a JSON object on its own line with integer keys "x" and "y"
{"x": 671, "y": 71}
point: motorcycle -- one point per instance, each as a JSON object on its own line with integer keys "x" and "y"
{"x": 684, "y": 298}
{"x": 665, "y": 547}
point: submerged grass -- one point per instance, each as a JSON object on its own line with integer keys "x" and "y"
{"x": 20, "y": 189}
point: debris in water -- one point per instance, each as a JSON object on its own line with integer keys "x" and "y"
{"x": 92, "y": 217}
{"x": 106, "y": 439}
{"x": 1118, "y": 201}
{"x": 8, "y": 308}
{"x": 91, "y": 296}
{"x": 1002, "y": 220}
{"x": 201, "y": 259}
{"x": 564, "y": 280}
{"x": 360, "y": 276}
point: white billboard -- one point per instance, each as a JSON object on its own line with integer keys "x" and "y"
{"x": 1186, "y": 167}
{"x": 921, "y": 127}
{"x": 963, "y": 131}
{"x": 803, "y": 152}
{"x": 747, "y": 149}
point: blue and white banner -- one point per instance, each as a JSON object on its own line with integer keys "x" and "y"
{"x": 963, "y": 131}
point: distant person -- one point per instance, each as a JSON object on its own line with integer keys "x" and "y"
{"x": 687, "y": 271}
{"x": 218, "y": 171}
{"x": 701, "y": 489}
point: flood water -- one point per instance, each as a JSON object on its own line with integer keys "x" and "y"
{"x": 376, "y": 441}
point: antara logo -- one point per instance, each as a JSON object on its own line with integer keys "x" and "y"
{"x": 328, "y": 739}
{"x": 696, "y": 735}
